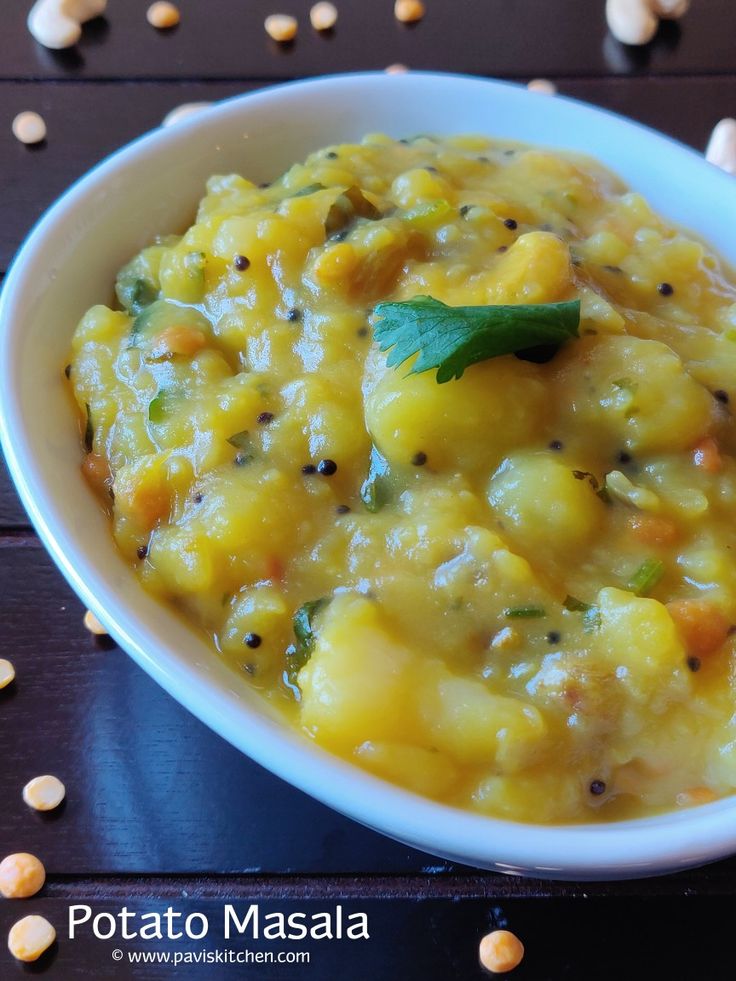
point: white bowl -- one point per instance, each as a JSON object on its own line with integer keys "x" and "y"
{"x": 152, "y": 186}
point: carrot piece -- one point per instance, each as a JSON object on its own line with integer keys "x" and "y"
{"x": 649, "y": 529}
{"x": 701, "y": 625}
{"x": 96, "y": 469}
{"x": 707, "y": 455}
{"x": 274, "y": 568}
{"x": 179, "y": 339}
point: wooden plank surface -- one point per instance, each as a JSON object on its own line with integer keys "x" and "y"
{"x": 160, "y": 810}
{"x": 510, "y": 38}
{"x": 32, "y": 177}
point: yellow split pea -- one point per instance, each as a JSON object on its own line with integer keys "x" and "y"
{"x": 512, "y": 591}
{"x": 30, "y": 937}
{"x": 21, "y": 876}
{"x": 281, "y": 27}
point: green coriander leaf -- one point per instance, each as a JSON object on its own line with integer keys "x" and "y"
{"x": 451, "y": 339}
{"x": 299, "y": 653}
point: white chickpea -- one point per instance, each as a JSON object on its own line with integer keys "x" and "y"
{"x": 44, "y": 793}
{"x": 29, "y": 127}
{"x": 7, "y": 672}
{"x": 631, "y": 21}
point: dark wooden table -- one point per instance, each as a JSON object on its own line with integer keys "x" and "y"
{"x": 161, "y": 812}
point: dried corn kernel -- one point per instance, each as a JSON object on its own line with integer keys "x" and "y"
{"x": 408, "y": 11}
{"x": 7, "y": 672}
{"x": 281, "y": 27}
{"x": 29, "y": 127}
{"x": 44, "y": 793}
{"x": 323, "y": 16}
{"x": 500, "y": 951}
{"x": 30, "y": 937}
{"x": 21, "y": 876}
{"x": 93, "y": 624}
{"x": 163, "y": 15}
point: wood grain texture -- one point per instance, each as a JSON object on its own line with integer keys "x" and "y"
{"x": 32, "y": 177}
{"x": 223, "y": 39}
{"x": 160, "y": 810}
{"x": 423, "y": 938}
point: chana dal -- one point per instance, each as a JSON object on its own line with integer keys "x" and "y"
{"x": 513, "y": 591}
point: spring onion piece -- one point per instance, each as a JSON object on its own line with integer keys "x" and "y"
{"x": 89, "y": 432}
{"x": 375, "y": 491}
{"x": 525, "y": 612}
{"x": 646, "y": 577}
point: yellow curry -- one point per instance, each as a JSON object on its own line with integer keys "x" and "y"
{"x": 511, "y": 588}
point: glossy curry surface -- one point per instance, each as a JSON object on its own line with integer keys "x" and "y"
{"x": 513, "y": 591}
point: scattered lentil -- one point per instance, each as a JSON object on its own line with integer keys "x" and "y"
{"x": 542, "y": 85}
{"x": 281, "y": 27}
{"x": 21, "y": 876}
{"x": 326, "y": 467}
{"x": 184, "y": 111}
{"x": 29, "y": 127}
{"x": 241, "y": 263}
{"x": 500, "y": 951}
{"x": 323, "y": 16}
{"x": 44, "y": 793}
{"x": 7, "y": 672}
{"x": 163, "y": 15}
{"x": 253, "y": 640}
{"x": 721, "y": 149}
{"x": 409, "y": 11}
{"x": 30, "y": 937}
{"x": 93, "y": 624}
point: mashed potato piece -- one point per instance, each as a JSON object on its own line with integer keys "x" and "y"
{"x": 512, "y": 591}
